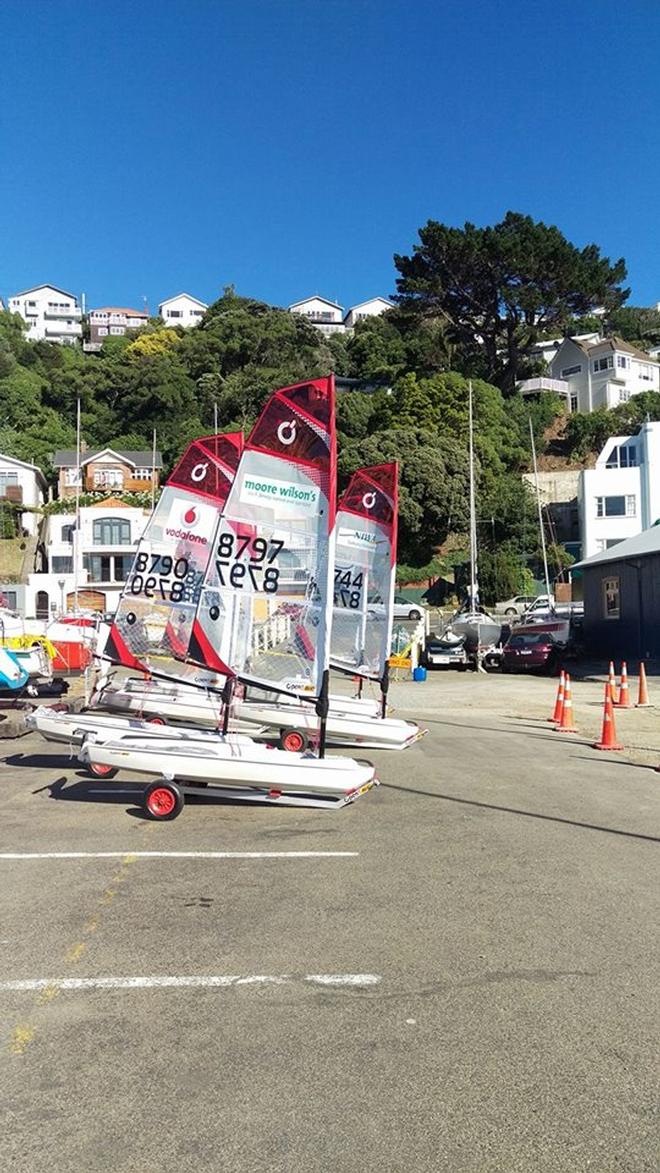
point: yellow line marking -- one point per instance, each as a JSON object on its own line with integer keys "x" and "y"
{"x": 21, "y": 1038}
{"x": 76, "y": 952}
{"x": 47, "y": 995}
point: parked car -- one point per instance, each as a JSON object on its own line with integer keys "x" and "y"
{"x": 515, "y": 606}
{"x": 403, "y": 608}
{"x": 531, "y": 651}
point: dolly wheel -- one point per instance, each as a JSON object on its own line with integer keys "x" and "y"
{"x": 157, "y": 721}
{"x": 101, "y": 771}
{"x": 163, "y": 800}
{"x": 293, "y": 741}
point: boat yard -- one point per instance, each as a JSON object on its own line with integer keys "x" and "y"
{"x": 416, "y": 971}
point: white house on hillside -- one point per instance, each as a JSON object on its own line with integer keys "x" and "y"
{"x": 51, "y": 313}
{"x": 599, "y": 374}
{"x": 109, "y": 534}
{"x": 366, "y": 309}
{"x": 23, "y": 484}
{"x": 182, "y": 310}
{"x": 620, "y": 497}
{"x": 327, "y": 315}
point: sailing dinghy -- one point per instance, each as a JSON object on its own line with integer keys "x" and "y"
{"x": 363, "y": 597}
{"x": 263, "y": 615}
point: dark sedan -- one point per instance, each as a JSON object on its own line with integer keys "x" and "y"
{"x": 531, "y": 652}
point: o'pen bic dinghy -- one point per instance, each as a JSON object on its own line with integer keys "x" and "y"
{"x": 363, "y": 598}
{"x": 270, "y": 568}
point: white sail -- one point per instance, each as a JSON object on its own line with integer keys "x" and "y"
{"x": 152, "y": 625}
{"x": 265, "y": 610}
{"x": 365, "y": 566}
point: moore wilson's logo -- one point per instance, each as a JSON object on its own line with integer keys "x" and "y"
{"x": 280, "y": 494}
{"x": 356, "y": 538}
{"x": 190, "y": 523}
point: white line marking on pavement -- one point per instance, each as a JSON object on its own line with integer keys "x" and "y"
{"x": 155, "y": 982}
{"x": 20, "y": 855}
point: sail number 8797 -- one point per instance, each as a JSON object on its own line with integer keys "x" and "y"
{"x": 247, "y": 562}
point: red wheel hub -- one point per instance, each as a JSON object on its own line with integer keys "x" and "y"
{"x": 293, "y": 742}
{"x": 161, "y": 801}
{"x": 100, "y": 770}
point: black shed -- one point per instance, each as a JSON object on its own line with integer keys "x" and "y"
{"x": 621, "y": 591}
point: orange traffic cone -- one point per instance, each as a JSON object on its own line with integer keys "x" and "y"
{"x": 643, "y": 701}
{"x": 623, "y": 700}
{"x": 608, "y": 736}
{"x": 566, "y": 720}
{"x": 611, "y": 683}
{"x": 559, "y": 703}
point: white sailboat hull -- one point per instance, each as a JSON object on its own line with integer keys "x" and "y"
{"x": 73, "y": 728}
{"x": 243, "y": 764}
{"x": 349, "y": 729}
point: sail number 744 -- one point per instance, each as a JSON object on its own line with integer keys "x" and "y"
{"x": 244, "y": 561}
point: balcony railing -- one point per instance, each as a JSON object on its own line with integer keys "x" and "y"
{"x": 533, "y": 386}
{"x": 62, "y": 312}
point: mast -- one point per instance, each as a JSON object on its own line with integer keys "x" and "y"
{"x": 153, "y": 473}
{"x": 76, "y": 548}
{"x": 474, "y": 581}
{"x": 540, "y": 511}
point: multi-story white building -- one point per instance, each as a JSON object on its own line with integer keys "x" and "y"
{"x": 52, "y": 314}
{"x": 326, "y": 315}
{"x": 182, "y": 310}
{"x": 620, "y": 497}
{"x": 108, "y": 538}
{"x": 374, "y": 307}
{"x": 23, "y": 484}
{"x": 329, "y": 316}
{"x": 599, "y": 374}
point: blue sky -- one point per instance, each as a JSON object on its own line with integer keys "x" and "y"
{"x": 292, "y": 146}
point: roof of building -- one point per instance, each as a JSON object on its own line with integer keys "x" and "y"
{"x": 178, "y": 295}
{"x": 24, "y": 464}
{"x": 316, "y": 297}
{"x": 66, "y": 457}
{"x": 613, "y": 343}
{"x": 368, "y": 301}
{"x": 648, "y": 542}
{"x": 120, "y": 309}
{"x": 36, "y": 288}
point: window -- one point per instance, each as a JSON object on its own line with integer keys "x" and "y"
{"x": 564, "y": 374}
{"x": 98, "y": 566}
{"x": 604, "y": 364}
{"x": 67, "y": 533}
{"x": 71, "y": 477}
{"x": 611, "y": 599}
{"x": 645, "y": 372}
{"x": 622, "y": 456}
{"x": 623, "y": 362}
{"x": 601, "y": 545}
{"x": 142, "y": 474}
{"x": 32, "y": 304}
{"x": 111, "y": 478}
{"x": 616, "y": 506}
{"x": 175, "y": 313}
{"x": 624, "y": 394}
{"x": 7, "y": 479}
{"x": 116, "y": 329}
{"x": 9, "y": 599}
{"x": 122, "y": 567}
{"x": 111, "y": 531}
{"x": 61, "y": 564}
{"x": 102, "y": 331}
{"x": 574, "y": 402}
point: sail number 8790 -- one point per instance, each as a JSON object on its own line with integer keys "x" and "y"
{"x": 244, "y": 561}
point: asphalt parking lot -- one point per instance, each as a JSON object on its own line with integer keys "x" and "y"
{"x": 460, "y": 971}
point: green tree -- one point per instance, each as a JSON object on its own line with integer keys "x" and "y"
{"x": 498, "y": 289}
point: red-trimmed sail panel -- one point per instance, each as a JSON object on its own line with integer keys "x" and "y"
{"x": 208, "y": 466}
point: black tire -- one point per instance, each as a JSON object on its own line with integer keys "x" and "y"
{"x": 511, "y": 611}
{"x": 98, "y": 770}
{"x": 162, "y": 801}
{"x": 414, "y": 613}
{"x": 293, "y": 740}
